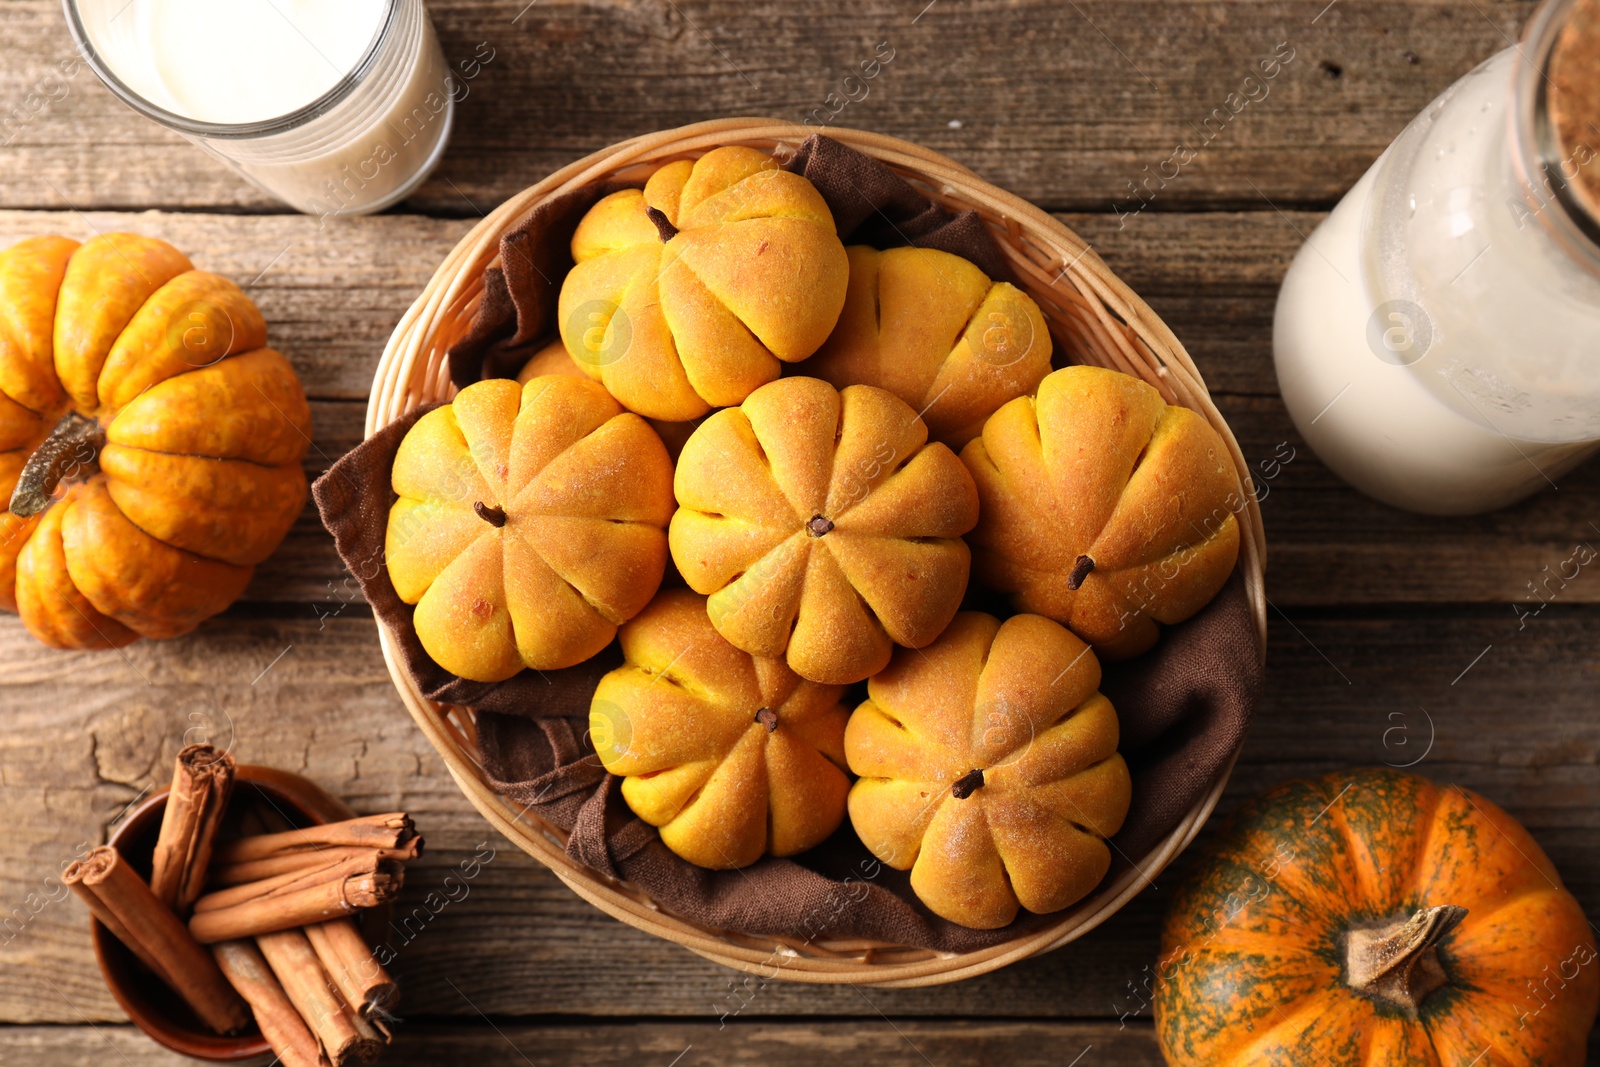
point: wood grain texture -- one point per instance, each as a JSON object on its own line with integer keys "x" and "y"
{"x": 762, "y": 1044}
{"x": 1346, "y": 688}
{"x": 1065, "y": 104}
{"x": 1394, "y": 639}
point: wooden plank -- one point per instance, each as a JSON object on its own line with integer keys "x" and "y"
{"x": 1069, "y": 105}
{"x": 909, "y": 1043}
{"x": 86, "y": 733}
{"x": 877, "y": 1041}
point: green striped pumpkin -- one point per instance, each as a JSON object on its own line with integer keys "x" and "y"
{"x": 1373, "y": 917}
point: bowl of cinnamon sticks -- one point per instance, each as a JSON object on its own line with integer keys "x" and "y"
{"x": 226, "y": 916}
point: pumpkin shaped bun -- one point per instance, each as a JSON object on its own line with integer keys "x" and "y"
{"x": 823, "y": 527}
{"x": 1374, "y": 917}
{"x": 1104, "y": 507}
{"x": 989, "y": 767}
{"x": 554, "y": 358}
{"x": 687, "y": 294}
{"x": 932, "y": 329}
{"x": 733, "y": 756}
{"x": 530, "y": 524}
{"x": 150, "y": 445}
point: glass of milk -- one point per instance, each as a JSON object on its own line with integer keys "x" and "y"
{"x": 1437, "y": 339}
{"x": 333, "y": 106}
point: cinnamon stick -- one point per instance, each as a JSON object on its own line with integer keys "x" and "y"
{"x": 149, "y": 924}
{"x": 372, "y": 831}
{"x": 311, "y": 992}
{"x": 227, "y": 874}
{"x": 358, "y": 861}
{"x": 312, "y": 903}
{"x": 280, "y": 1022}
{"x": 73, "y": 877}
{"x": 202, "y": 782}
{"x": 372, "y": 1038}
{"x": 355, "y": 971}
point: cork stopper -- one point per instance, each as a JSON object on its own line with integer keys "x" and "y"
{"x": 1573, "y": 102}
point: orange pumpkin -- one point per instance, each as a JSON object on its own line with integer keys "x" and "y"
{"x": 150, "y": 446}
{"x": 1373, "y": 917}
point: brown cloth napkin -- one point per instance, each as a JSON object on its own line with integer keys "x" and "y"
{"x": 1183, "y": 707}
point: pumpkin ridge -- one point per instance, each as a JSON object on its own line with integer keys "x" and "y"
{"x": 722, "y": 298}
{"x": 1245, "y": 1050}
{"x": 1094, "y": 550}
{"x": 43, "y": 415}
{"x": 879, "y": 485}
{"x": 954, "y": 342}
{"x": 961, "y": 760}
{"x": 1083, "y": 826}
{"x": 214, "y": 459}
{"x": 108, "y": 419}
{"x": 1428, "y": 818}
{"x": 643, "y": 288}
{"x": 1054, "y": 486}
{"x": 679, "y": 261}
{"x": 683, "y": 681}
{"x": 763, "y": 455}
{"x": 1481, "y": 915}
{"x": 505, "y": 547}
{"x": 1467, "y": 796}
{"x": 188, "y": 552}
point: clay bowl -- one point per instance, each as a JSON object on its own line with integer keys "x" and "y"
{"x": 153, "y": 1007}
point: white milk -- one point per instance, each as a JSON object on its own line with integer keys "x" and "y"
{"x": 240, "y": 78}
{"x": 238, "y": 60}
{"x": 1435, "y": 345}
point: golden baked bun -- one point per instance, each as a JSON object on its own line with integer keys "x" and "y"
{"x": 554, "y": 358}
{"x": 732, "y": 756}
{"x": 823, "y": 526}
{"x": 989, "y": 767}
{"x": 530, "y": 524}
{"x": 932, "y": 329}
{"x": 1104, "y": 508}
{"x": 687, "y": 294}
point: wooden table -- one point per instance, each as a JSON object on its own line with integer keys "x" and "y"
{"x": 1393, "y": 638}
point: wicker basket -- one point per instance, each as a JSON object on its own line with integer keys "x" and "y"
{"x": 1091, "y": 312}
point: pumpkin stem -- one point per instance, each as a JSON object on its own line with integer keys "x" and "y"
{"x": 768, "y": 718}
{"x": 664, "y": 225}
{"x": 1399, "y": 962}
{"x": 1080, "y": 570}
{"x": 819, "y": 526}
{"x": 493, "y": 516}
{"x": 967, "y": 784}
{"x": 68, "y": 454}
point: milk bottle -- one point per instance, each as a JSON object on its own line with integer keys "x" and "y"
{"x": 1437, "y": 339}
{"x": 334, "y": 106}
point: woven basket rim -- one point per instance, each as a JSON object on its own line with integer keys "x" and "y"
{"x": 1079, "y": 296}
